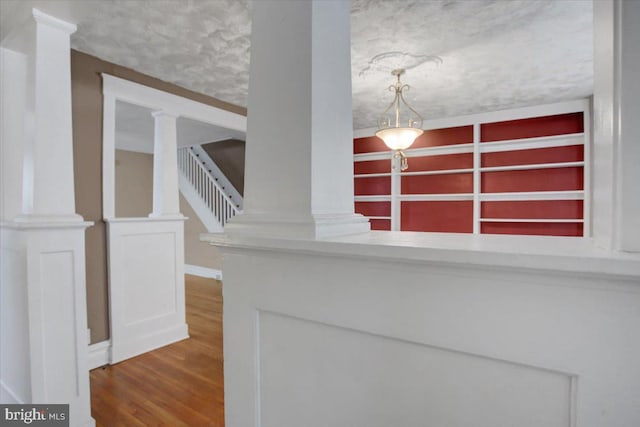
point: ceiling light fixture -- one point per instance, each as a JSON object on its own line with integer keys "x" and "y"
{"x": 399, "y": 125}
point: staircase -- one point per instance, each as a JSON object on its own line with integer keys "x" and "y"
{"x": 206, "y": 189}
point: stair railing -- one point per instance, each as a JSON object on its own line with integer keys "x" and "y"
{"x": 210, "y": 192}
{"x": 218, "y": 175}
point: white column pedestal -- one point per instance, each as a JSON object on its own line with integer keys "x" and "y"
{"x": 44, "y": 316}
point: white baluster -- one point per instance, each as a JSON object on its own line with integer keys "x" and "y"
{"x": 208, "y": 189}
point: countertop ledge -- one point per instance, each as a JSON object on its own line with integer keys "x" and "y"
{"x": 556, "y": 254}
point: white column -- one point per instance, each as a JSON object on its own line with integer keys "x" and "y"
{"x": 43, "y": 336}
{"x": 299, "y": 162}
{"x": 13, "y": 89}
{"x": 628, "y": 155}
{"x": 165, "y": 166}
{"x": 616, "y": 200}
{"x": 48, "y": 192}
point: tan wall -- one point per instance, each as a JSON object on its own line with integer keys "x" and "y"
{"x": 86, "y": 87}
{"x": 197, "y": 252}
{"x": 229, "y": 156}
{"x": 134, "y": 184}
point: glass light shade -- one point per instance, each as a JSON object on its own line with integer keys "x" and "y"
{"x": 400, "y": 124}
{"x": 399, "y": 138}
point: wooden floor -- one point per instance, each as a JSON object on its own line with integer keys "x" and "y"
{"x": 177, "y": 385}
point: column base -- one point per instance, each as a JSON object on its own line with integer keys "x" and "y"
{"x": 168, "y": 216}
{"x": 47, "y": 221}
{"x": 292, "y": 227}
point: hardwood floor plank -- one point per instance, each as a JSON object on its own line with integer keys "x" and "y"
{"x": 178, "y": 385}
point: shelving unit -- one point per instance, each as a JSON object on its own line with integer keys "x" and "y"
{"x": 482, "y": 175}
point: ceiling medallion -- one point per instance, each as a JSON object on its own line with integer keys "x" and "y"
{"x": 395, "y": 60}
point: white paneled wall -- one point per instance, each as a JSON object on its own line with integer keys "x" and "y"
{"x": 146, "y": 277}
{"x": 367, "y": 331}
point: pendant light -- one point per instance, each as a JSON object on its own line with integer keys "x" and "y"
{"x": 399, "y": 125}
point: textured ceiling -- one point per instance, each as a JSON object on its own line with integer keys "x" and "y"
{"x": 202, "y": 45}
{"x": 493, "y": 54}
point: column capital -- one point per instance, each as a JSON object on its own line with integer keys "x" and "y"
{"x": 163, "y": 113}
{"x": 165, "y": 166}
{"x": 51, "y": 21}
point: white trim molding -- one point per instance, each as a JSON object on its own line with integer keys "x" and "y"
{"x": 115, "y": 89}
{"x": 145, "y": 96}
{"x": 99, "y": 354}
{"x": 196, "y": 270}
{"x": 494, "y": 116}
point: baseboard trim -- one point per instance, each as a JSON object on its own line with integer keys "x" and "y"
{"x": 196, "y": 270}
{"x": 8, "y": 396}
{"x": 99, "y": 354}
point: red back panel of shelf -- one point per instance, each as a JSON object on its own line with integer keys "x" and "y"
{"x": 552, "y": 179}
{"x": 375, "y": 186}
{"x": 533, "y": 209}
{"x": 445, "y": 136}
{"x": 537, "y": 228}
{"x": 373, "y": 208}
{"x": 441, "y": 162}
{"x": 440, "y": 216}
{"x": 370, "y": 144}
{"x": 372, "y": 166}
{"x": 380, "y": 224}
{"x": 571, "y": 153}
{"x": 438, "y": 184}
{"x": 561, "y": 124}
